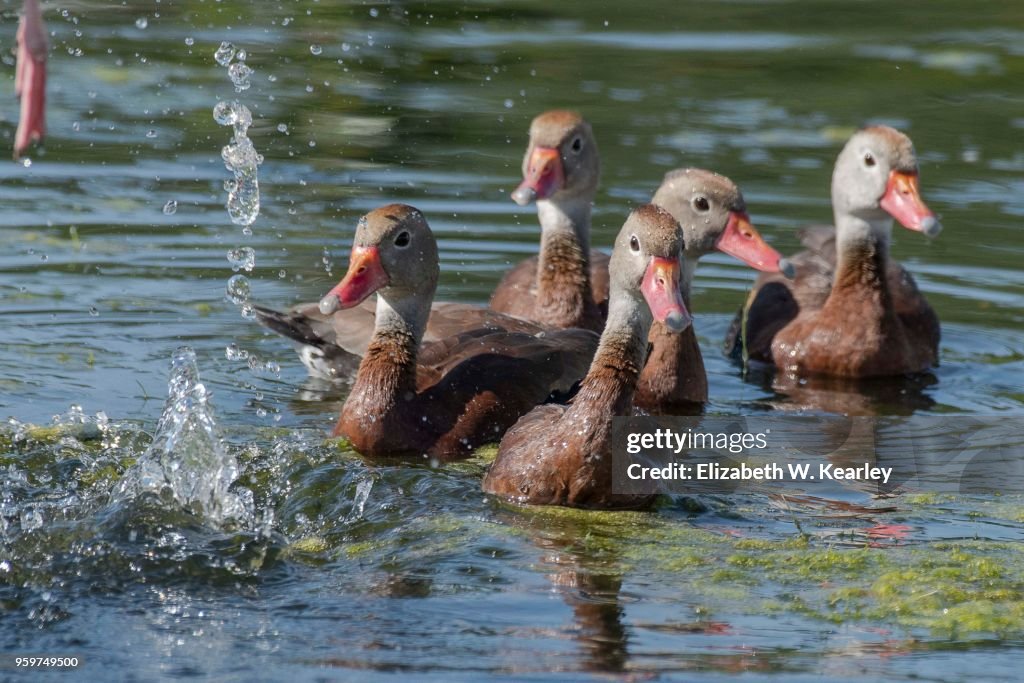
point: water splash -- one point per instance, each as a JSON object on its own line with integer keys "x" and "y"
{"x": 240, "y": 157}
{"x": 242, "y": 258}
{"x": 187, "y": 464}
{"x": 225, "y": 53}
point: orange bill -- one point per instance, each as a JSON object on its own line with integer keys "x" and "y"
{"x": 364, "y": 277}
{"x": 544, "y": 176}
{"x": 742, "y": 240}
{"x": 660, "y": 288}
{"x": 902, "y": 201}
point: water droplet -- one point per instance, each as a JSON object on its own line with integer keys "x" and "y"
{"x": 242, "y": 258}
{"x": 93, "y": 312}
{"x": 509, "y": 103}
{"x": 233, "y": 352}
{"x": 225, "y": 53}
{"x": 26, "y": 162}
{"x": 282, "y": 128}
{"x": 151, "y": 133}
{"x": 76, "y": 126}
{"x": 141, "y": 23}
{"x": 190, "y": 41}
{"x": 238, "y": 289}
{"x": 282, "y": 273}
{"x": 170, "y": 207}
{"x": 315, "y": 49}
{"x": 240, "y": 158}
{"x": 240, "y": 73}
{"x": 374, "y": 12}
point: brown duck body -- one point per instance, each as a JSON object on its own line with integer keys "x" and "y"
{"x": 867, "y": 319}
{"x": 561, "y": 455}
{"x": 461, "y": 393}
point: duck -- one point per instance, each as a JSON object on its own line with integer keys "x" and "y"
{"x": 565, "y": 285}
{"x": 452, "y": 396}
{"x": 561, "y": 454}
{"x": 713, "y": 215}
{"x": 851, "y": 311}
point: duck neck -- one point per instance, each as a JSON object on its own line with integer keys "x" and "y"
{"x": 689, "y": 267}
{"x": 388, "y": 370}
{"x": 862, "y": 255}
{"x": 608, "y": 388}
{"x": 563, "y": 271}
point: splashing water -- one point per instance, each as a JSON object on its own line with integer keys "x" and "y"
{"x": 240, "y": 156}
{"x": 241, "y": 159}
{"x": 240, "y": 73}
{"x": 238, "y": 289}
{"x": 187, "y": 463}
{"x": 242, "y": 258}
{"x": 225, "y": 53}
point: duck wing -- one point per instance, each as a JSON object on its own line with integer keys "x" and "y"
{"x": 775, "y": 300}
{"x": 486, "y": 380}
{"x": 331, "y": 346}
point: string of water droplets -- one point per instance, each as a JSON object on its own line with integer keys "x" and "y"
{"x": 243, "y": 203}
{"x": 240, "y": 157}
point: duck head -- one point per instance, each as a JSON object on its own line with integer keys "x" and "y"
{"x": 394, "y": 253}
{"x": 561, "y": 160}
{"x": 713, "y": 216}
{"x": 876, "y": 178}
{"x": 645, "y": 267}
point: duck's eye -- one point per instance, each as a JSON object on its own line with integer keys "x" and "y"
{"x": 701, "y": 204}
{"x": 577, "y": 144}
{"x": 869, "y": 159}
{"x": 402, "y": 241}
{"x": 634, "y": 244}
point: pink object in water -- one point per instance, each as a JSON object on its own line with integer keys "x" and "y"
{"x": 30, "y": 78}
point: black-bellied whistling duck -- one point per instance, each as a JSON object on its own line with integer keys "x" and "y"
{"x": 459, "y": 392}
{"x": 850, "y": 312}
{"x": 561, "y": 455}
{"x": 30, "y": 77}
{"x": 564, "y": 285}
{"x": 568, "y": 281}
{"x": 713, "y": 216}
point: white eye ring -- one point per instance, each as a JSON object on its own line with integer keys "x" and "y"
{"x": 403, "y": 240}
{"x": 701, "y": 204}
{"x": 634, "y": 244}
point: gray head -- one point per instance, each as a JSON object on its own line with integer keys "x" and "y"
{"x": 393, "y": 252}
{"x": 645, "y": 265}
{"x": 713, "y": 215}
{"x": 876, "y": 176}
{"x": 561, "y": 160}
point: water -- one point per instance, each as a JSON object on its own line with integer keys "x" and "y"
{"x": 349, "y": 570}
